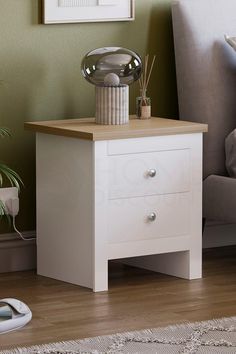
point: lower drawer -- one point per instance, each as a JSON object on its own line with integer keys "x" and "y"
{"x": 148, "y": 217}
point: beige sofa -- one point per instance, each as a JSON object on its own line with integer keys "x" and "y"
{"x": 206, "y": 79}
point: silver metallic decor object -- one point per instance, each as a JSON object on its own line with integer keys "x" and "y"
{"x": 152, "y": 216}
{"x": 112, "y": 70}
{"x": 152, "y": 173}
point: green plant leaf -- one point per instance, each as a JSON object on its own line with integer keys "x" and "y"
{"x": 10, "y": 175}
{"x": 4, "y": 132}
{"x": 2, "y": 208}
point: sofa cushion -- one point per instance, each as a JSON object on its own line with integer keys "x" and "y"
{"x": 230, "y": 152}
{"x": 219, "y": 198}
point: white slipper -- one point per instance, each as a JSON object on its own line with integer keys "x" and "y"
{"x": 14, "y": 314}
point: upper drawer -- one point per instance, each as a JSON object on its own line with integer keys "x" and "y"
{"x": 149, "y": 173}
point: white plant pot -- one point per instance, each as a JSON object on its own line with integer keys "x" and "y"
{"x": 7, "y": 194}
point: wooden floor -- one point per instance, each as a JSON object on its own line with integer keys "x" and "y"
{"x": 136, "y": 299}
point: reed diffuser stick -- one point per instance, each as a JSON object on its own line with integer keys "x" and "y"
{"x": 144, "y": 102}
{"x": 150, "y": 72}
{"x": 145, "y": 77}
{"x": 146, "y": 69}
{"x": 144, "y": 80}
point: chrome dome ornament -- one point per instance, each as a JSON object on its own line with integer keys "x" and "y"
{"x": 100, "y": 62}
{"x": 112, "y": 70}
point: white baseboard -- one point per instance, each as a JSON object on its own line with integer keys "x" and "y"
{"x": 16, "y": 254}
{"x": 13, "y": 236}
{"x": 219, "y": 235}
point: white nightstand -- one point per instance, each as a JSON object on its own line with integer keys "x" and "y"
{"x": 115, "y": 192}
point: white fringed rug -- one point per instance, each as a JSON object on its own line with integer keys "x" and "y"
{"x": 215, "y": 336}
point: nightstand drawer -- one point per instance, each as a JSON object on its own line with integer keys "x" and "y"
{"x": 151, "y": 173}
{"x": 150, "y": 217}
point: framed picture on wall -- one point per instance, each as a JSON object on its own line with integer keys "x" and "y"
{"x": 72, "y": 11}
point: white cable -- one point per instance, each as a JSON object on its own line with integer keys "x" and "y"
{"x": 19, "y": 233}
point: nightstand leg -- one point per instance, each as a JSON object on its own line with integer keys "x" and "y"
{"x": 100, "y": 280}
{"x": 184, "y": 264}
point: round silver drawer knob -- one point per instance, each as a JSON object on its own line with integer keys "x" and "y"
{"x": 152, "y": 217}
{"x": 152, "y": 173}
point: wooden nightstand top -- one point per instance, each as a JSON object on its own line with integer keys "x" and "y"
{"x": 85, "y": 128}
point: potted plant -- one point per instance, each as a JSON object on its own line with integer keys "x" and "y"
{"x": 14, "y": 254}
{"x": 7, "y": 175}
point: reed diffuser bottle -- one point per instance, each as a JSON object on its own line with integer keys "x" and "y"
{"x": 143, "y": 103}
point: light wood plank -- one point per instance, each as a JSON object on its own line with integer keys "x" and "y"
{"x": 87, "y": 129}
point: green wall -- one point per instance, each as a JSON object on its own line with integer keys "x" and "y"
{"x": 40, "y": 69}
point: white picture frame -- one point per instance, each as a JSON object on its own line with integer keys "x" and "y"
{"x": 74, "y": 11}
